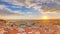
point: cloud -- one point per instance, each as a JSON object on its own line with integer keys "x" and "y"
{"x": 45, "y": 5}
{"x": 22, "y": 13}
{"x": 51, "y": 8}
{"x": 2, "y": 6}
{"x": 7, "y": 12}
{"x": 30, "y": 8}
{"x": 57, "y": 1}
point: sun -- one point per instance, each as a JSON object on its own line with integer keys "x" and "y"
{"x": 45, "y": 17}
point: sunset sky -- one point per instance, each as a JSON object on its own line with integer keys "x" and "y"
{"x": 29, "y": 9}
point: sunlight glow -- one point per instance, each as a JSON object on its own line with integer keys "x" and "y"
{"x": 44, "y": 17}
